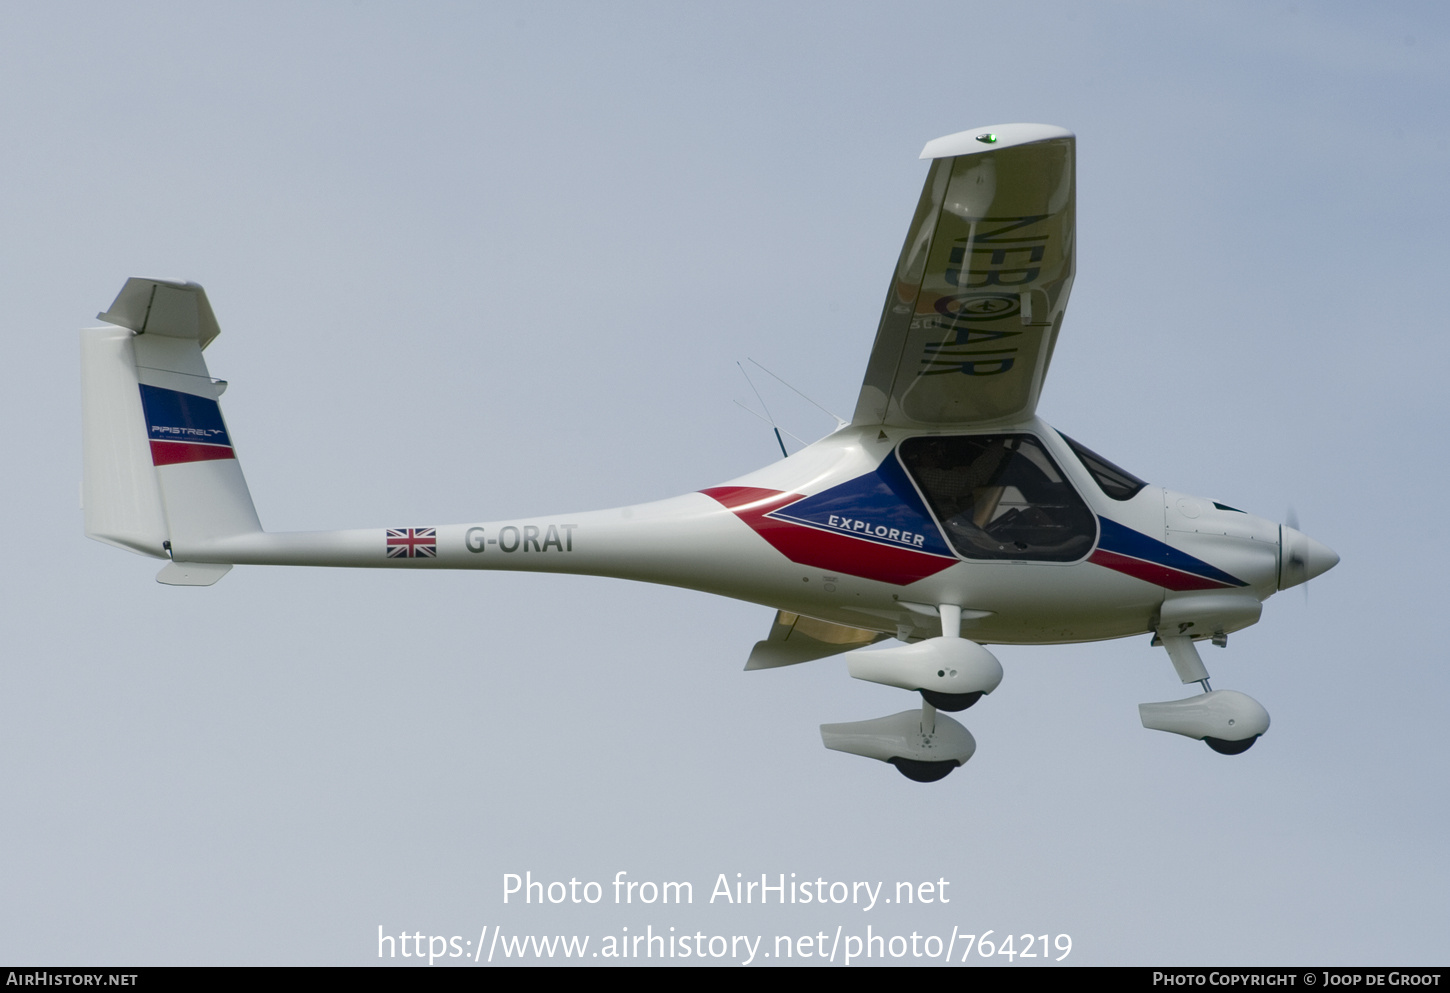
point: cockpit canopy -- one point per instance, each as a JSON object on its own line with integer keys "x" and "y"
{"x": 1000, "y": 496}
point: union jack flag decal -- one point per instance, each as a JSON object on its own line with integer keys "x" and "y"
{"x": 412, "y": 543}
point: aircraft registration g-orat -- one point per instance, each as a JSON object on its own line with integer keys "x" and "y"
{"x": 945, "y": 514}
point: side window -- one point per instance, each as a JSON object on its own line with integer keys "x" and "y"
{"x": 1000, "y": 497}
{"x": 1116, "y": 483}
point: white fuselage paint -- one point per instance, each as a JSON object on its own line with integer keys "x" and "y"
{"x": 693, "y": 541}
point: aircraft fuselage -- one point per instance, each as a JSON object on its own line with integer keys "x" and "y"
{"x": 854, "y": 529}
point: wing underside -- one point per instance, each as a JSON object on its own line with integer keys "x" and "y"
{"x": 979, "y": 291}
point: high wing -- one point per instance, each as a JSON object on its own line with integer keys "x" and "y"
{"x": 979, "y": 292}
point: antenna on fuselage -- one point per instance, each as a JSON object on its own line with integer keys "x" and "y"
{"x": 840, "y": 421}
{"x": 771, "y": 420}
{"x": 755, "y": 413}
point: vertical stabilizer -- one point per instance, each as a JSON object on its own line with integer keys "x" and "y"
{"x": 119, "y": 490}
{"x": 161, "y": 473}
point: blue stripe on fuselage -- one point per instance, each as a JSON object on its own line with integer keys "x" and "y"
{"x": 1125, "y": 541}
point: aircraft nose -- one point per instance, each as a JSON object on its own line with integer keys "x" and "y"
{"x": 1301, "y": 558}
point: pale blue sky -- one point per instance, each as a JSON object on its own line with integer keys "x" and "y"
{"x": 478, "y": 261}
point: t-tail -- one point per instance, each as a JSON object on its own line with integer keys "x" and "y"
{"x": 161, "y": 478}
{"x": 160, "y": 473}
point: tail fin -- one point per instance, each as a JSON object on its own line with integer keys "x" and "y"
{"x": 160, "y": 473}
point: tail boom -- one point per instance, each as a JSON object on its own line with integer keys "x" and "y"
{"x": 162, "y": 478}
{"x": 650, "y": 542}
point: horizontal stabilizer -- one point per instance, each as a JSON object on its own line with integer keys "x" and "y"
{"x": 192, "y": 573}
{"x": 172, "y": 308}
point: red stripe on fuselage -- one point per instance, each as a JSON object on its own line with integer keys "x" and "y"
{"x": 174, "y": 452}
{"x": 823, "y": 549}
{"x": 1151, "y": 572}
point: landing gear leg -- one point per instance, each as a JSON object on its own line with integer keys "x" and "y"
{"x": 1227, "y": 721}
{"x": 1186, "y": 661}
{"x": 951, "y": 629}
{"x": 951, "y": 673}
{"x": 926, "y": 770}
{"x": 951, "y": 620}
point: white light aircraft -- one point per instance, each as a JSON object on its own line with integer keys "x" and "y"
{"x": 945, "y": 514}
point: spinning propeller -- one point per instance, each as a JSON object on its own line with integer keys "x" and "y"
{"x": 1301, "y": 558}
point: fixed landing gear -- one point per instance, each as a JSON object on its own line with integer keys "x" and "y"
{"x": 923, "y": 745}
{"x": 1230, "y": 747}
{"x": 951, "y": 673}
{"x": 922, "y": 772}
{"x": 952, "y": 703}
{"x": 1227, "y": 721}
